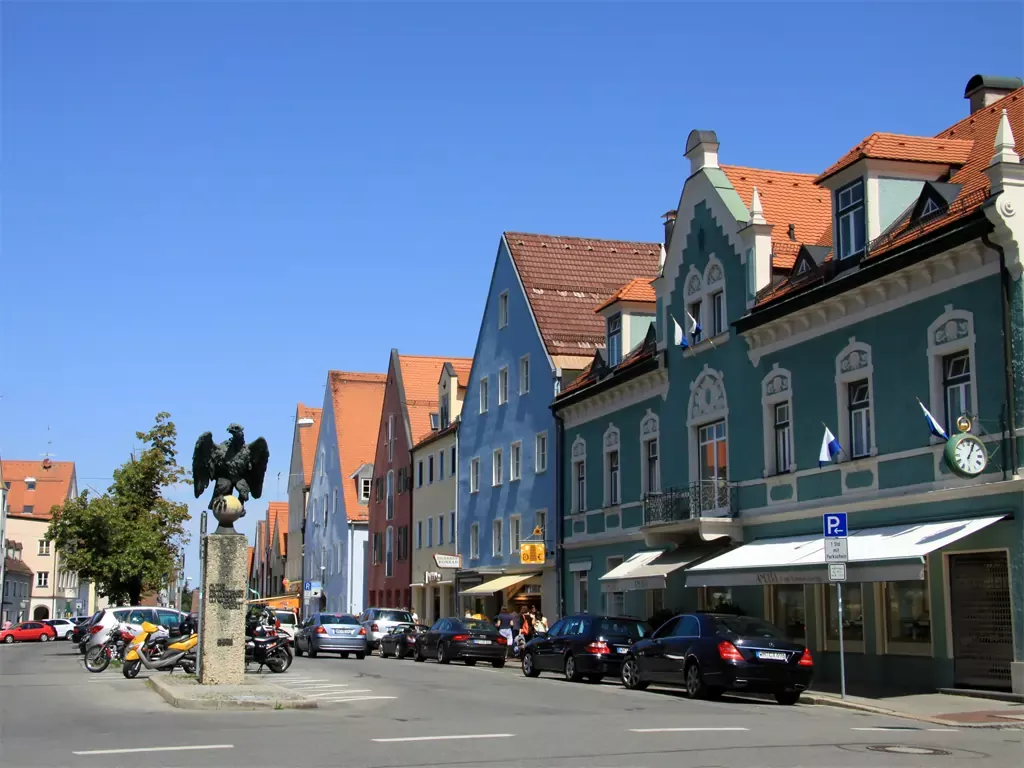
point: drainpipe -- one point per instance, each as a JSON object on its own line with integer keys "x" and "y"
{"x": 1011, "y": 405}
{"x": 456, "y": 602}
{"x": 559, "y": 503}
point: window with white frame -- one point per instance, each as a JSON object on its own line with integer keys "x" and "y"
{"x": 612, "y": 478}
{"x": 783, "y": 434}
{"x": 484, "y": 394}
{"x": 435, "y": 421}
{"x": 503, "y": 309}
{"x": 614, "y": 343}
{"x": 540, "y": 520}
{"x": 581, "y": 590}
{"x": 474, "y": 475}
{"x": 650, "y": 471}
{"x": 515, "y": 461}
{"x": 952, "y": 373}
{"x": 956, "y": 386}
{"x": 430, "y": 532}
{"x": 440, "y": 530}
{"x": 389, "y": 551}
{"x": 390, "y": 512}
{"x": 419, "y": 473}
{"x": 714, "y": 453}
{"x": 391, "y": 436}
{"x": 440, "y": 465}
{"x": 695, "y": 311}
{"x": 503, "y": 385}
{"x": 365, "y": 483}
{"x": 850, "y": 219}
{"x": 496, "y": 537}
{"x": 524, "y": 374}
{"x": 515, "y": 534}
{"x": 540, "y": 454}
{"x": 497, "y": 467}
{"x": 717, "y": 309}
{"x": 451, "y": 527}
{"x": 474, "y": 541}
{"x": 777, "y": 407}
{"x": 419, "y": 534}
{"x": 44, "y": 548}
{"x": 614, "y": 602}
{"x": 855, "y": 400}
{"x": 579, "y": 475}
{"x": 430, "y": 468}
{"x": 42, "y": 578}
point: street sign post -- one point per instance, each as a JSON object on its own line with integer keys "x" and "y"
{"x": 837, "y": 552}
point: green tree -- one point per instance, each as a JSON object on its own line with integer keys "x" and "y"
{"x": 127, "y": 540}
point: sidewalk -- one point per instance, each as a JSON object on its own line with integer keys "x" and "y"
{"x": 938, "y": 708}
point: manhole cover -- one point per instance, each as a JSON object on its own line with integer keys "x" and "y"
{"x": 901, "y": 749}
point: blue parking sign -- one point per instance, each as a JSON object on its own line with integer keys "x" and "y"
{"x": 835, "y": 525}
{"x": 307, "y": 586}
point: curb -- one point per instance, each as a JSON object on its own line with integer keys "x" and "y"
{"x": 226, "y": 704}
{"x": 831, "y": 701}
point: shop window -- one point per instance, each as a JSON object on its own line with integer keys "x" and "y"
{"x": 789, "y": 611}
{"x": 853, "y": 617}
{"x": 907, "y": 616}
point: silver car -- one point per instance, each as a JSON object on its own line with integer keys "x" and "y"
{"x": 331, "y": 633}
{"x": 131, "y": 618}
{"x": 378, "y": 622}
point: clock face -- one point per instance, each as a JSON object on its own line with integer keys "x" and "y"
{"x": 970, "y": 456}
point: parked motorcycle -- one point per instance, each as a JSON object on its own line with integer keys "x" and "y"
{"x": 144, "y": 651}
{"x": 263, "y": 645}
{"x": 98, "y": 658}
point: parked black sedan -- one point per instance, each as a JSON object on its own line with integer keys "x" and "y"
{"x": 710, "y": 653}
{"x": 584, "y": 646}
{"x": 400, "y": 641}
{"x": 471, "y": 640}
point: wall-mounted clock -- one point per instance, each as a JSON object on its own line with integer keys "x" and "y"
{"x": 965, "y": 454}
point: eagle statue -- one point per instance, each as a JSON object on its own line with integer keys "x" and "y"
{"x": 230, "y": 466}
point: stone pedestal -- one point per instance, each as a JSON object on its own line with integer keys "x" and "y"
{"x": 222, "y": 634}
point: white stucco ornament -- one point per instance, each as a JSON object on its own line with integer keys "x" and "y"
{"x": 707, "y": 396}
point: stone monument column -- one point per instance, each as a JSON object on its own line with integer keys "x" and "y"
{"x": 225, "y": 569}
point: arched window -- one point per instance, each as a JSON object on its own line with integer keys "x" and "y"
{"x": 952, "y": 373}
{"x": 612, "y": 467}
{"x": 707, "y": 418}
{"x": 650, "y": 453}
{"x": 579, "y": 475}
{"x": 855, "y": 399}
{"x": 777, "y": 409}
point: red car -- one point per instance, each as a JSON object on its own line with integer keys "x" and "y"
{"x": 28, "y": 630}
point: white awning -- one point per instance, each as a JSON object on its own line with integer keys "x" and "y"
{"x": 889, "y": 553}
{"x": 499, "y": 584}
{"x": 646, "y": 570}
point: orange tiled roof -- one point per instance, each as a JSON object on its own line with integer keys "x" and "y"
{"x": 914, "y": 149}
{"x": 786, "y": 198}
{"x": 252, "y": 554}
{"x": 462, "y": 368}
{"x": 54, "y": 483}
{"x": 308, "y": 437}
{"x": 277, "y": 517}
{"x": 420, "y": 376}
{"x": 358, "y": 400}
{"x": 638, "y": 290}
{"x": 643, "y": 351}
{"x": 565, "y": 277}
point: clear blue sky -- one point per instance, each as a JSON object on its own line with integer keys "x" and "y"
{"x": 208, "y": 205}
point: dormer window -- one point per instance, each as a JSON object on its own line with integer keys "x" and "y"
{"x": 850, "y": 219}
{"x": 365, "y": 483}
{"x": 30, "y": 483}
{"x": 930, "y": 206}
{"x": 435, "y": 421}
{"x": 614, "y": 340}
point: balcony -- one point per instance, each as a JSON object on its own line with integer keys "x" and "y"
{"x": 702, "y": 499}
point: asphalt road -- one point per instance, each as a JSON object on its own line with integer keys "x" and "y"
{"x": 391, "y": 713}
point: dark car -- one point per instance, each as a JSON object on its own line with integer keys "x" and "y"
{"x": 331, "y": 633}
{"x": 584, "y": 647}
{"x": 400, "y": 641}
{"x": 471, "y": 640}
{"x": 711, "y": 653}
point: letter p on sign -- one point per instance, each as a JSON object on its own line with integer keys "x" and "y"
{"x": 835, "y": 525}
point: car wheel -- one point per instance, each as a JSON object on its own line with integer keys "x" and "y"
{"x": 787, "y": 698}
{"x": 380, "y": 651}
{"x": 417, "y": 655}
{"x": 312, "y": 652}
{"x": 44, "y": 638}
{"x": 695, "y": 687}
{"x": 360, "y": 656}
{"x": 68, "y": 635}
{"x": 400, "y": 653}
{"x": 571, "y": 673}
{"x": 631, "y": 675}
{"x": 529, "y": 668}
{"x": 9, "y": 639}
{"x": 442, "y": 654}
{"x": 298, "y": 649}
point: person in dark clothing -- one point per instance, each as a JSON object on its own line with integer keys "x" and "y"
{"x": 504, "y": 625}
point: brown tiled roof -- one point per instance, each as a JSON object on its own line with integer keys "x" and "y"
{"x": 638, "y": 290}
{"x": 16, "y": 566}
{"x": 914, "y": 149}
{"x": 277, "y": 518}
{"x": 53, "y": 484}
{"x": 786, "y": 198}
{"x": 358, "y": 401}
{"x": 420, "y": 376}
{"x": 640, "y": 353}
{"x": 308, "y": 437}
{"x": 566, "y": 277}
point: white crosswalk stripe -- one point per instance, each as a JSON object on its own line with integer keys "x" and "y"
{"x": 325, "y": 692}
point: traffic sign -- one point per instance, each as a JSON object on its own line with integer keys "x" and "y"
{"x": 835, "y": 525}
{"x": 837, "y": 571}
{"x": 837, "y": 550}
{"x": 307, "y": 586}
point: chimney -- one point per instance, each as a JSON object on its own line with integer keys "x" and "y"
{"x": 670, "y": 225}
{"x": 702, "y": 150}
{"x": 985, "y": 90}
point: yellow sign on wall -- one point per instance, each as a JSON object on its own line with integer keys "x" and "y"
{"x": 532, "y": 553}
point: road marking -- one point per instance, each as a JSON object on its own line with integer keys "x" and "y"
{"x": 153, "y": 749}
{"x": 682, "y": 730}
{"x": 888, "y": 728}
{"x": 318, "y": 694}
{"x": 357, "y": 698}
{"x": 314, "y": 686}
{"x": 446, "y": 738}
{"x": 303, "y": 680}
{"x": 943, "y": 730}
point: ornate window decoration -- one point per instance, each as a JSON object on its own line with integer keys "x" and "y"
{"x": 612, "y": 467}
{"x": 777, "y": 419}
{"x": 952, "y": 373}
{"x": 707, "y": 405}
{"x": 855, "y": 400}
{"x": 579, "y": 475}
{"x": 650, "y": 453}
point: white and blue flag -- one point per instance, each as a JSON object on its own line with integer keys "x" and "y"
{"x": 933, "y": 426}
{"x": 680, "y": 337}
{"x": 830, "y": 448}
{"x": 693, "y": 331}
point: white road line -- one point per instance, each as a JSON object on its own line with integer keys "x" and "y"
{"x": 357, "y": 698}
{"x": 883, "y": 728}
{"x": 446, "y": 738}
{"x": 314, "y": 686}
{"x": 320, "y": 694}
{"x": 153, "y": 749}
{"x": 943, "y": 730}
{"x": 303, "y": 681}
{"x": 682, "y": 730}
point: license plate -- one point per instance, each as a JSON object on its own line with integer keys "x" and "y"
{"x": 482, "y": 642}
{"x": 622, "y": 650}
{"x": 771, "y": 655}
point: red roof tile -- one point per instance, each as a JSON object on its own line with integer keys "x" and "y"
{"x": 420, "y": 377}
{"x": 462, "y": 368}
{"x": 914, "y": 149}
{"x": 252, "y": 555}
{"x": 277, "y": 520}
{"x": 308, "y": 437}
{"x": 358, "y": 399}
{"x": 638, "y": 291}
{"x": 786, "y": 198}
{"x": 16, "y": 566}
{"x": 54, "y": 482}
{"x": 566, "y": 277}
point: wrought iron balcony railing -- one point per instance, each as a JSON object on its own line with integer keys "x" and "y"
{"x": 704, "y": 498}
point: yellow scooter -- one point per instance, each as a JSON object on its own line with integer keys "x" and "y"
{"x": 180, "y": 651}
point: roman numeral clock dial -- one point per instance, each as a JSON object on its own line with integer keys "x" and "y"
{"x": 965, "y": 454}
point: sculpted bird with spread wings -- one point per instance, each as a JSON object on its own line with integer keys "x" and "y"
{"x": 230, "y": 465}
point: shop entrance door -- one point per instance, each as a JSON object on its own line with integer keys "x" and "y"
{"x": 979, "y": 597}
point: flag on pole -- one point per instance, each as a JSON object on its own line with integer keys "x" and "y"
{"x": 830, "y": 448}
{"x": 692, "y": 326}
{"x": 680, "y": 337}
{"x": 933, "y": 426}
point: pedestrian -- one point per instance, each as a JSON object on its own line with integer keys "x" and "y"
{"x": 504, "y": 624}
{"x": 540, "y": 624}
{"x": 526, "y": 630}
{"x": 469, "y": 614}
{"x": 415, "y": 617}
